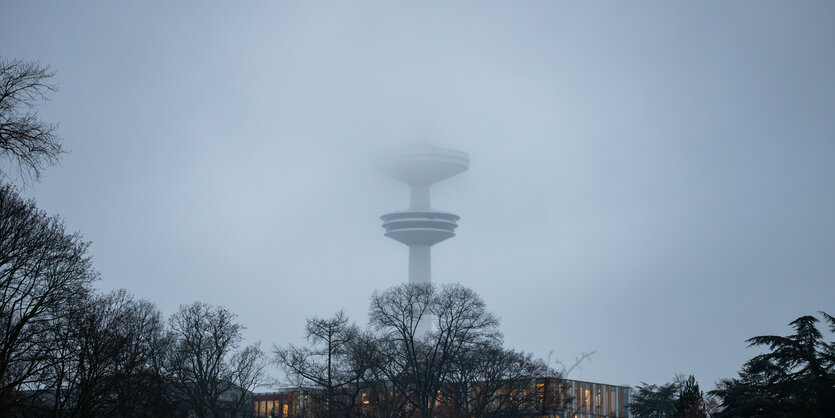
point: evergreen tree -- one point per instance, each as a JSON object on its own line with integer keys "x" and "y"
{"x": 796, "y": 378}
{"x": 654, "y": 401}
{"x": 690, "y": 400}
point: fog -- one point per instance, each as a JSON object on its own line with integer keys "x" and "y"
{"x": 653, "y": 181}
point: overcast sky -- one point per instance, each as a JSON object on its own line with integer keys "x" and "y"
{"x": 653, "y": 181}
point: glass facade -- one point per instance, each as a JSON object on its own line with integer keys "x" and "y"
{"x": 280, "y": 404}
{"x": 597, "y": 400}
{"x": 539, "y": 399}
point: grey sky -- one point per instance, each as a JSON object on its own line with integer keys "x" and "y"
{"x": 653, "y": 181}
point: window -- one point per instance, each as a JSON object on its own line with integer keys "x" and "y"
{"x": 587, "y": 399}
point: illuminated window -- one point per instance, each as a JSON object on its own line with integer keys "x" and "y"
{"x": 587, "y": 399}
{"x": 285, "y": 410}
{"x": 365, "y": 400}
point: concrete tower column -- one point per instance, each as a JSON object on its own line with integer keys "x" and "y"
{"x": 420, "y": 264}
{"x": 419, "y": 196}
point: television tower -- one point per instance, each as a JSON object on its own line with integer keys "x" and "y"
{"x": 420, "y": 227}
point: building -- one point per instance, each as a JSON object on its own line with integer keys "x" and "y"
{"x": 593, "y": 400}
{"x": 286, "y": 402}
{"x": 584, "y": 400}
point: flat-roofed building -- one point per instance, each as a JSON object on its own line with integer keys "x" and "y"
{"x": 584, "y": 400}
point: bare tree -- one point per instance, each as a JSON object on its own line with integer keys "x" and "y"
{"x": 417, "y": 366}
{"x": 489, "y": 380}
{"x": 43, "y": 272}
{"x": 204, "y": 367}
{"x": 247, "y": 372}
{"x": 333, "y": 363}
{"x": 27, "y": 144}
{"x": 566, "y": 370}
{"x": 367, "y": 370}
{"x": 105, "y": 366}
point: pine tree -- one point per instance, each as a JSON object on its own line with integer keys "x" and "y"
{"x": 690, "y": 400}
{"x": 795, "y": 379}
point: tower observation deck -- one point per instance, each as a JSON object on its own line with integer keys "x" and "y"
{"x": 420, "y": 227}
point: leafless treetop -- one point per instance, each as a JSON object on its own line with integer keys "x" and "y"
{"x": 28, "y": 145}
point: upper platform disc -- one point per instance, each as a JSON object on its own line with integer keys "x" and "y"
{"x": 424, "y": 165}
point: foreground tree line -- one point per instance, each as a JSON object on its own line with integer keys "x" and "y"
{"x": 794, "y": 377}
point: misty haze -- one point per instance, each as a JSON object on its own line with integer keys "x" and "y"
{"x": 433, "y": 209}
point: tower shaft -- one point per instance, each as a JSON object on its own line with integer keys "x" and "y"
{"x": 420, "y": 264}
{"x": 419, "y": 197}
